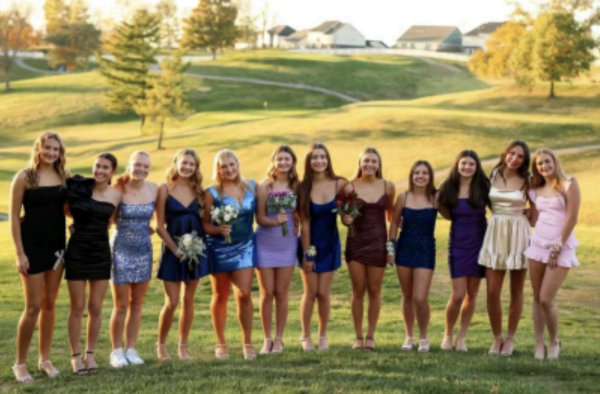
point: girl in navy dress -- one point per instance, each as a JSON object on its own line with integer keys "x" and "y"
{"x": 39, "y": 240}
{"x": 231, "y": 262}
{"x": 178, "y": 206}
{"x": 132, "y": 258}
{"x": 317, "y": 196}
{"x": 415, "y": 212}
{"x": 463, "y": 199}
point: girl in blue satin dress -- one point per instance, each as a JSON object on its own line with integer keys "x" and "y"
{"x": 317, "y": 196}
{"x": 231, "y": 263}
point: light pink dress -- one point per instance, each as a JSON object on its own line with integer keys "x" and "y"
{"x": 548, "y": 230}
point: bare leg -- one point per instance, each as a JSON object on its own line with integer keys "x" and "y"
{"x": 374, "y": 280}
{"x": 47, "y": 317}
{"x": 553, "y": 279}
{"x": 324, "y": 300}
{"x": 242, "y": 282}
{"x": 119, "y": 313}
{"x": 459, "y": 292}
{"x": 77, "y": 298}
{"x": 186, "y": 317}
{"x": 405, "y": 277}
{"x": 221, "y": 287}
{"x": 134, "y": 315}
{"x": 537, "y": 271}
{"x": 283, "y": 278}
{"x": 495, "y": 280}
{"x": 310, "y": 282}
{"x": 515, "y": 310}
{"x": 468, "y": 310}
{"x": 421, "y": 284}
{"x": 165, "y": 319}
{"x": 266, "y": 280}
{"x": 97, "y": 293}
{"x": 358, "y": 276}
{"x": 33, "y": 296}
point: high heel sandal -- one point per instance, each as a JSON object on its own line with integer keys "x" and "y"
{"x": 184, "y": 346}
{"x": 249, "y": 356}
{"x": 509, "y": 352}
{"x": 369, "y": 347}
{"x": 22, "y": 379}
{"x": 52, "y": 372}
{"x": 554, "y": 357}
{"x": 496, "y": 352}
{"x": 446, "y": 342}
{"x": 359, "y": 344}
{"x": 307, "y": 344}
{"x": 424, "y": 345}
{"x": 409, "y": 343}
{"x": 542, "y": 355}
{"x": 221, "y": 356}
{"x": 461, "y": 346}
{"x": 159, "y": 348}
{"x": 277, "y": 351}
{"x": 325, "y": 346}
{"x": 267, "y": 346}
{"x": 80, "y": 371}
{"x": 91, "y": 370}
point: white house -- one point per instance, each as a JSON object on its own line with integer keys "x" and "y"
{"x": 431, "y": 38}
{"x": 277, "y": 36}
{"x": 376, "y": 44}
{"x": 297, "y": 40}
{"x": 331, "y": 34}
{"x": 475, "y": 39}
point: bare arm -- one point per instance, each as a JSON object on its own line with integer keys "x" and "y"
{"x": 533, "y": 214}
{"x": 390, "y": 190}
{"x": 395, "y": 222}
{"x": 573, "y": 203}
{"x": 161, "y": 201}
{"x": 17, "y": 191}
{"x": 442, "y": 209}
{"x": 209, "y": 227}
{"x": 261, "y": 210}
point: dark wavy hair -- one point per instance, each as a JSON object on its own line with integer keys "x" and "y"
{"x": 430, "y": 188}
{"x": 480, "y": 184}
{"x": 523, "y": 171}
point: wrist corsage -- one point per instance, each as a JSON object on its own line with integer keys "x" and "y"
{"x": 390, "y": 246}
{"x": 555, "y": 250}
{"x": 310, "y": 253}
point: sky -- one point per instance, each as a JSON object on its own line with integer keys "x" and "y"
{"x": 382, "y": 20}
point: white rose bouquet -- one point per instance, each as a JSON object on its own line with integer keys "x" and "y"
{"x": 224, "y": 216}
{"x": 279, "y": 201}
{"x": 191, "y": 247}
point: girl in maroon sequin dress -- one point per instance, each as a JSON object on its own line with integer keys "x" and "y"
{"x": 366, "y": 254}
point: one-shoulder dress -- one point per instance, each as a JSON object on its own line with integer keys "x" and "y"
{"x": 88, "y": 255}
{"x": 241, "y": 252}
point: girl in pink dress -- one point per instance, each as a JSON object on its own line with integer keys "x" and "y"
{"x": 555, "y": 206}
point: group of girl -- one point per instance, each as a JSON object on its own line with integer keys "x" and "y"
{"x": 46, "y": 190}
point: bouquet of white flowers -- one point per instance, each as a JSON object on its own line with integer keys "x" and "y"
{"x": 191, "y": 247}
{"x": 279, "y": 201}
{"x": 224, "y": 216}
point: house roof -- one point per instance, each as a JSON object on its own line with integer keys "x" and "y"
{"x": 297, "y": 36}
{"x": 486, "y": 28}
{"x": 328, "y": 27}
{"x": 371, "y": 43}
{"x": 427, "y": 33}
{"x": 282, "y": 31}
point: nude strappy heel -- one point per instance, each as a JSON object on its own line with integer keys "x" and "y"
{"x": 52, "y": 373}
{"x": 22, "y": 379}
{"x": 249, "y": 356}
{"x": 221, "y": 356}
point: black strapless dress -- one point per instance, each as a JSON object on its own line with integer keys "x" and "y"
{"x": 88, "y": 254}
{"x": 43, "y": 227}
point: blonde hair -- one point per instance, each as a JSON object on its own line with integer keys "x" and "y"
{"x": 173, "y": 174}
{"x": 126, "y": 177}
{"x": 239, "y": 181}
{"x": 358, "y": 173}
{"x": 34, "y": 161}
{"x": 537, "y": 179}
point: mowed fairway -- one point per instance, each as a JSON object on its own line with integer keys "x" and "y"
{"x": 233, "y": 116}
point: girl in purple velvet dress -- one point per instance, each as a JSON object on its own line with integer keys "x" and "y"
{"x": 463, "y": 199}
{"x": 276, "y": 252}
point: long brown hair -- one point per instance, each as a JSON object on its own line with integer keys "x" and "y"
{"x": 124, "y": 179}
{"x": 272, "y": 170}
{"x": 240, "y": 181}
{"x": 34, "y": 161}
{"x": 479, "y": 189}
{"x": 173, "y": 174}
{"x": 358, "y": 172}
{"x": 112, "y": 159}
{"x": 522, "y": 171}
{"x": 537, "y": 179}
{"x": 430, "y": 188}
{"x": 305, "y": 187}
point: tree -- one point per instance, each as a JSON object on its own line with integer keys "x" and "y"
{"x": 211, "y": 25}
{"x": 15, "y": 34}
{"x": 167, "y": 9}
{"x": 557, "y": 47}
{"x": 494, "y": 61}
{"x": 246, "y": 22}
{"x": 134, "y": 49}
{"x": 165, "y": 97}
{"x": 57, "y": 14}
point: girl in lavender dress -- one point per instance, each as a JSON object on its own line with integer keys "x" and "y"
{"x": 276, "y": 253}
{"x": 555, "y": 204}
{"x": 132, "y": 258}
{"x": 463, "y": 199}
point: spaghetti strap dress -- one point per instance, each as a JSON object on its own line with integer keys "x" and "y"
{"x": 466, "y": 239}
{"x": 88, "y": 255}
{"x": 367, "y": 245}
{"x": 43, "y": 227}
{"x": 416, "y": 243}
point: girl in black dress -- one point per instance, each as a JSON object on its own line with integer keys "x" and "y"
{"x": 39, "y": 240}
{"x": 92, "y": 202}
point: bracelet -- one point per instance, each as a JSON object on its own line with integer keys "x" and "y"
{"x": 310, "y": 253}
{"x": 390, "y": 246}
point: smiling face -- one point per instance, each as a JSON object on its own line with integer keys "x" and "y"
{"x": 284, "y": 162}
{"x": 103, "y": 170}
{"x": 514, "y": 158}
{"x": 421, "y": 176}
{"x": 545, "y": 165}
{"x": 139, "y": 167}
{"x": 50, "y": 152}
{"x": 467, "y": 167}
{"x": 369, "y": 164}
{"x": 186, "y": 166}
{"x": 228, "y": 168}
{"x": 318, "y": 160}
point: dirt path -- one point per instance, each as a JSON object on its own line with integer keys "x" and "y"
{"x": 21, "y": 63}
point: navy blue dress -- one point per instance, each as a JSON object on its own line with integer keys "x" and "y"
{"x": 324, "y": 236}
{"x": 416, "y": 244}
{"x": 181, "y": 220}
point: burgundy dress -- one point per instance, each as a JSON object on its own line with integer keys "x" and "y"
{"x": 367, "y": 246}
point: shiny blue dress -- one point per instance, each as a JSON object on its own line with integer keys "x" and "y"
{"x": 241, "y": 252}
{"x": 181, "y": 220}
{"x": 324, "y": 236}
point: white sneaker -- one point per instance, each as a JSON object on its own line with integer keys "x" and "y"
{"x": 117, "y": 358}
{"x": 133, "y": 357}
